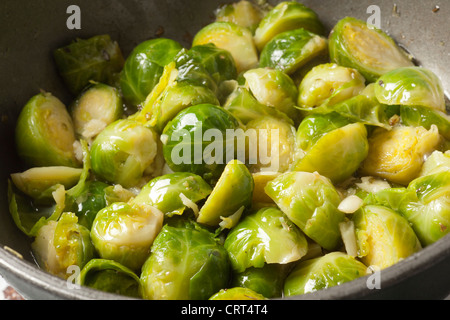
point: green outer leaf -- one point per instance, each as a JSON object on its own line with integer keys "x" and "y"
{"x": 186, "y": 262}
{"x": 265, "y": 236}
{"x": 324, "y": 272}
{"x": 418, "y": 116}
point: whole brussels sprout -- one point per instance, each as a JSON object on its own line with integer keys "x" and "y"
{"x": 233, "y": 190}
{"x": 324, "y": 272}
{"x": 411, "y": 86}
{"x": 186, "y": 262}
{"x": 398, "y": 154}
{"x": 383, "y": 236}
{"x": 187, "y": 144}
{"x": 84, "y": 60}
{"x": 144, "y": 66}
{"x": 233, "y": 38}
{"x": 61, "y": 244}
{"x": 329, "y": 84}
{"x": 44, "y": 133}
{"x": 124, "y": 232}
{"x": 243, "y": 13}
{"x": 237, "y": 293}
{"x": 310, "y": 201}
{"x": 273, "y": 88}
{"x": 168, "y": 193}
{"x": 265, "y": 236}
{"x": 95, "y": 108}
{"x": 293, "y": 49}
{"x": 352, "y": 43}
{"x": 110, "y": 276}
{"x": 274, "y": 146}
{"x": 336, "y": 154}
{"x": 287, "y": 15}
{"x": 122, "y": 151}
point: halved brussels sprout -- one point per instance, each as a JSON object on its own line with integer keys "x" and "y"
{"x": 411, "y": 86}
{"x": 310, "y": 201}
{"x": 384, "y": 237}
{"x": 437, "y": 162}
{"x": 144, "y": 66}
{"x": 337, "y": 154}
{"x": 293, "y": 49}
{"x": 274, "y": 146}
{"x": 44, "y": 133}
{"x": 417, "y": 116}
{"x": 233, "y": 38}
{"x": 329, "y": 84}
{"x": 186, "y": 263}
{"x": 122, "y": 151}
{"x": 61, "y": 244}
{"x": 261, "y": 179}
{"x": 237, "y": 293}
{"x": 169, "y": 192}
{"x": 287, "y": 15}
{"x": 125, "y": 232}
{"x": 324, "y": 272}
{"x": 36, "y": 181}
{"x": 110, "y": 276}
{"x": 95, "y": 108}
{"x": 195, "y": 141}
{"x": 244, "y": 106}
{"x": 371, "y": 51}
{"x": 265, "y": 236}
{"x": 177, "y": 97}
{"x": 273, "y": 88}
{"x": 267, "y": 281}
{"x": 244, "y": 13}
{"x": 95, "y": 59}
{"x": 398, "y": 154}
{"x": 233, "y": 190}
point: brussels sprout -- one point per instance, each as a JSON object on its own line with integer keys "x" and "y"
{"x": 353, "y": 44}
{"x": 95, "y": 59}
{"x": 273, "y": 88}
{"x": 178, "y": 97}
{"x": 267, "y": 281}
{"x": 336, "y": 154}
{"x": 125, "y": 232}
{"x": 237, "y": 293}
{"x": 329, "y": 84}
{"x": 44, "y": 133}
{"x": 122, "y": 151}
{"x": 261, "y": 179}
{"x": 144, "y": 66}
{"x": 168, "y": 193}
{"x": 274, "y": 146}
{"x": 383, "y": 236}
{"x": 437, "y": 162}
{"x": 233, "y": 190}
{"x": 285, "y": 16}
{"x": 293, "y": 49}
{"x": 95, "y": 108}
{"x": 417, "y": 116}
{"x": 244, "y": 106}
{"x": 398, "y": 154}
{"x": 265, "y": 236}
{"x": 233, "y": 38}
{"x": 110, "y": 276}
{"x": 87, "y": 204}
{"x": 310, "y": 201}
{"x": 186, "y": 262}
{"x": 61, "y": 244}
{"x": 36, "y": 181}
{"x": 324, "y": 272}
{"x": 187, "y": 144}
{"x": 411, "y": 86}
{"x": 243, "y": 13}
